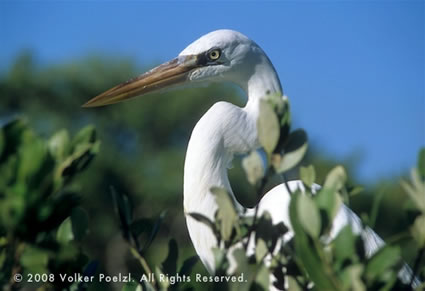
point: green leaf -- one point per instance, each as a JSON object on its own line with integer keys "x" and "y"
{"x": 169, "y": 266}
{"x": 293, "y": 284}
{"x": 140, "y": 226}
{"x": 386, "y": 258}
{"x": 65, "y": 234}
{"x": 2, "y": 141}
{"x": 80, "y": 223}
{"x": 294, "y": 151}
{"x": 260, "y": 250}
{"x": 352, "y": 278}
{"x": 226, "y": 212}
{"x": 131, "y": 286}
{"x": 415, "y": 190}
{"x": 336, "y": 178}
{"x": 268, "y": 127}
{"x": 308, "y": 256}
{"x": 262, "y": 279}
{"x": 34, "y": 260}
{"x": 205, "y": 220}
{"x": 254, "y": 168}
{"x": 58, "y": 144}
{"x": 87, "y": 135}
{"x": 188, "y": 265}
{"x": 329, "y": 203}
{"x": 155, "y": 229}
{"x": 309, "y": 215}
{"x": 421, "y": 163}
{"x": 308, "y": 175}
{"x": 344, "y": 244}
{"x": 124, "y": 211}
{"x": 418, "y": 230}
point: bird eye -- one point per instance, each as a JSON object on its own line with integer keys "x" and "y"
{"x": 214, "y": 54}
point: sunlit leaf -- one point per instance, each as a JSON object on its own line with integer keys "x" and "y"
{"x": 294, "y": 151}
{"x": 308, "y": 175}
{"x": 131, "y": 286}
{"x": 268, "y": 127}
{"x": 254, "y": 167}
{"x": 226, "y": 212}
{"x": 260, "y": 250}
{"x": 309, "y": 215}
{"x": 352, "y": 278}
{"x": 335, "y": 179}
{"x": 418, "y": 230}
{"x": 65, "y": 234}
{"x": 58, "y": 144}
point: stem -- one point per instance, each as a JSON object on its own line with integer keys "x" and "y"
{"x": 416, "y": 265}
{"x": 285, "y": 181}
{"x": 260, "y": 191}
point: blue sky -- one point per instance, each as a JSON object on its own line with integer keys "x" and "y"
{"x": 354, "y": 70}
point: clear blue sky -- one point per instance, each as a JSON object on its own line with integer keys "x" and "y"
{"x": 354, "y": 70}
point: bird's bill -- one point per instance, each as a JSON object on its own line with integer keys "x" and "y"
{"x": 170, "y": 73}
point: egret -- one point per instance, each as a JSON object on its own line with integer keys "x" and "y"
{"x": 223, "y": 131}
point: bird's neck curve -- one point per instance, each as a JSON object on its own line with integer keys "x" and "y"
{"x": 223, "y": 131}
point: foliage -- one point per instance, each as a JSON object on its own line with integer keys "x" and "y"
{"x": 143, "y": 144}
{"x": 41, "y": 222}
{"x": 311, "y": 259}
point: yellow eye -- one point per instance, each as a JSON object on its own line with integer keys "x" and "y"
{"x": 214, "y": 54}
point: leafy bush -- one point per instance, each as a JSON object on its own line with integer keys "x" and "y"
{"x": 309, "y": 260}
{"x": 41, "y": 223}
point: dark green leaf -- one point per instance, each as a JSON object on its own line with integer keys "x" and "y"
{"x": 344, "y": 245}
{"x": 421, "y": 163}
{"x": 155, "y": 230}
{"x": 131, "y": 286}
{"x": 188, "y": 265}
{"x": 80, "y": 223}
{"x": 169, "y": 266}
{"x": 385, "y": 259}
{"x": 205, "y": 220}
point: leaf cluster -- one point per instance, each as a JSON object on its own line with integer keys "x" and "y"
{"x": 41, "y": 222}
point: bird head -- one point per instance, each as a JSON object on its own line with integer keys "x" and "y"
{"x": 221, "y": 55}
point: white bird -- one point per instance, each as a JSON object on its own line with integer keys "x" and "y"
{"x": 225, "y": 130}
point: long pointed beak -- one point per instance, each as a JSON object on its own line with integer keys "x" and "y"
{"x": 170, "y": 73}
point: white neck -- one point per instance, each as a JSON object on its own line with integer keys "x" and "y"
{"x": 223, "y": 131}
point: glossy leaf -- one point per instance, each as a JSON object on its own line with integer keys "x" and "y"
{"x": 309, "y": 215}
{"x": 65, "y": 234}
{"x": 254, "y": 167}
{"x": 268, "y": 127}
{"x": 226, "y": 212}
{"x": 335, "y": 179}
{"x": 308, "y": 175}
{"x": 294, "y": 151}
